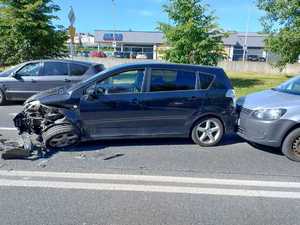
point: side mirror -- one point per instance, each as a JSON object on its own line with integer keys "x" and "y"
{"x": 16, "y": 75}
{"x": 91, "y": 93}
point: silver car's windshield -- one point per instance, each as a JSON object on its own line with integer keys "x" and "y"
{"x": 291, "y": 86}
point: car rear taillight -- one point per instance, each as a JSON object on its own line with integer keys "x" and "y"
{"x": 231, "y": 94}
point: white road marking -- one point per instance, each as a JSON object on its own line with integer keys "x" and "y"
{"x": 143, "y": 178}
{"x": 8, "y": 128}
{"x": 148, "y": 188}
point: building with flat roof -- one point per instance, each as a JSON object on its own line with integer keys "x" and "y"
{"x": 151, "y": 43}
{"x": 131, "y": 42}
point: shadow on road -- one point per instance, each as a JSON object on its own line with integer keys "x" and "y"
{"x": 103, "y": 144}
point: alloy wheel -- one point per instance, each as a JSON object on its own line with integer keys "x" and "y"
{"x": 296, "y": 147}
{"x": 208, "y": 132}
{"x": 63, "y": 140}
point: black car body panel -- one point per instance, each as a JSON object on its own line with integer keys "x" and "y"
{"x": 27, "y": 79}
{"x": 144, "y": 113}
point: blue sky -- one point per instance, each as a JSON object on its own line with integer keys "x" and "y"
{"x": 144, "y": 14}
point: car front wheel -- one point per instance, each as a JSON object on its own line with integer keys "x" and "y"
{"x": 291, "y": 145}
{"x": 208, "y": 132}
{"x": 61, "y": 136}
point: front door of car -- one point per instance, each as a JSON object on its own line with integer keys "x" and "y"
{"x": 114, "y": 110}
{"x": 173, "y": 99}
{"x": 24, "y": 82}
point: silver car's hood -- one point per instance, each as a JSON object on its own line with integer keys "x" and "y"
{"x": 269, "y": 99}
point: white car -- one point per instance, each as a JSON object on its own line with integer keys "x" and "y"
{"x": 141, "y": 56}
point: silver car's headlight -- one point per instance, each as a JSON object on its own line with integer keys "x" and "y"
{"x": 268, "y": 114}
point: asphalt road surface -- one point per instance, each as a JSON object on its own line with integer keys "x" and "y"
{"x": 162, "y": 181}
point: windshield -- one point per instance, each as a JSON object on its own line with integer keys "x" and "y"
{"x": 291, "y": 86}
{"x": 88, "y": 79}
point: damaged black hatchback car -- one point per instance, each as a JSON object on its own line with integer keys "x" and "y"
{"x": 134, "y": 101}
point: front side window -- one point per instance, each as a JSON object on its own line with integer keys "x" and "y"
{"x": 55, "y": 69}
{"x": 169, "y": 80}
{"x": 31, "y": 69}
{"x": 126, "y": 82}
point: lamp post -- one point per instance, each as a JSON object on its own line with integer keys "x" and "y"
{"x": 114, "y": 44}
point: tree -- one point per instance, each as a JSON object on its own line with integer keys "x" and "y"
{"x": 27, "y": 31}
{"x": 282, "y": 23}
{"x": 193, "y": 35}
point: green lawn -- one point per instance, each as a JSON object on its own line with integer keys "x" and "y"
{"x": 246, "y": 83}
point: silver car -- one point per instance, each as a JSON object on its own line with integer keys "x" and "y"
{"x": 272, "y": 118}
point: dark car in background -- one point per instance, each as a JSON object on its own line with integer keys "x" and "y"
{"x": 135, "y": 101}
{"x": 272, "y": 118}
{"x": 27, "y": 79}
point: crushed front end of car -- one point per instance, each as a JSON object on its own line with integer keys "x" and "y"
{"x": 46, "y": 127}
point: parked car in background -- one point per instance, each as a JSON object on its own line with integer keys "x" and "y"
{"x": 135, "y": 101}
{"x": 256, "y": 58}
{"x": 141, "y": 56}
{"x": 121, "y": 55}
{"x": 272, "y": 118}
{"x": 98, "y": 54}
{"x": 27, "y": 79}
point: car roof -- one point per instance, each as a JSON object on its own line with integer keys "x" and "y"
{"x": 65, "y": 61}
{"x": 166, "y": 65}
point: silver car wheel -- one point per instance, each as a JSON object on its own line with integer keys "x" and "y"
{"x": 208, "y": 132}
{"x": 63, "y": 140}
{"x": 296, "y": 147}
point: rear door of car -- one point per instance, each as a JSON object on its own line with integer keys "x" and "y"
{"x": 172, "y": 99}
{"x": 78, "y": 72}
{"x": 54, "y": 74}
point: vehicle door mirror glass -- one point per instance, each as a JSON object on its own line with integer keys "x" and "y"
{"x": 16, "y": 75}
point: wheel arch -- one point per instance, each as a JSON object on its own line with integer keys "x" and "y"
{"x": 296, "y": 126}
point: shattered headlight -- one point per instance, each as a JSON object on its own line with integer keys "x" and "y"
{"x": 268, "y": 114}
{"x": 33, "y": 106}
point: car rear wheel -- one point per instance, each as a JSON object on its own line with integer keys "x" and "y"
{"x": 61, "y": 136}
{"x": 2, "y": 98}
{"x": 291, "y": 145}
{"x": 208, "y": 132}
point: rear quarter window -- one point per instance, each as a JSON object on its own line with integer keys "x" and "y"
{"x": 77, "y": 69}
{"x": 206, "y": 80}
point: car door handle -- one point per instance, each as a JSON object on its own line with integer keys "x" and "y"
{"x": 67, "y": 80}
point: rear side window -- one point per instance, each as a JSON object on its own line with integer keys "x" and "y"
{"x": 99, "y": 68}
{"x": 55, "y": 69}
{"x": 171, "y": 80}
{"x": 77, "y": 69}
{"x": 205, "y": 80}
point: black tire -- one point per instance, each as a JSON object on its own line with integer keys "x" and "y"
{"x": 218, "y": 134}
{"x": 291, "y": 145}
{"x": 2, "y": 98}
{"x": 66, "y": 132}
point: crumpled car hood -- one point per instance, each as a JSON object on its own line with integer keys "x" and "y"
{"x": 54, "y": 95}
{"x": 268, "y": 99}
